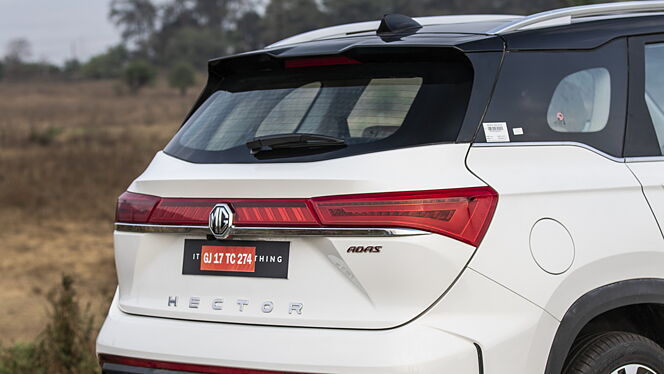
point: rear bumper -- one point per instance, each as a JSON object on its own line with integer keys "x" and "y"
{"x": 407, "y": 349}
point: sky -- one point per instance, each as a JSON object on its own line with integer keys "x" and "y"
{"x": 58, "y": 29}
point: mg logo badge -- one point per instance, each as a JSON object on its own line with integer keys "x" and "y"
{"x": 221, "y": 221}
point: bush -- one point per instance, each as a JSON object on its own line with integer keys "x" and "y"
{"x": 107, "y": 65}
{"x": 65, "y": 346}
{"x": 182, "y": 76}
{"x": 138, "y": 74}
{"x": 44, "y": 137}
{"x": 19, "y": 359}
{"x": 72, "y": 69}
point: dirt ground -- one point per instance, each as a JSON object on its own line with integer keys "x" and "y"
{"x": 67, "y": 150}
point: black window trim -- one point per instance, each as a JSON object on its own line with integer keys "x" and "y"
{"x": 640, "y": 130}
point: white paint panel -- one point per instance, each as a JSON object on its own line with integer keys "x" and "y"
{"x": 598, "y": 200}
{"x": 515, "y": 335}
{"x": 416, "y": 168}
{"x": 651, "y": 176}
{"x": 404, "y": 350}
{"x": 337, "y": 288}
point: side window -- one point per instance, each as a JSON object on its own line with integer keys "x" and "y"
{"x": 562, "y": 96}
{"x": 654, "y": 88}
{"x": 581, "y": 102}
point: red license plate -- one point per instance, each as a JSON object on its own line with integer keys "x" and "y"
{"x": 227, "y": 258}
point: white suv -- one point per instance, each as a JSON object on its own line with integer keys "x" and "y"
{"x": 463, "y": 194}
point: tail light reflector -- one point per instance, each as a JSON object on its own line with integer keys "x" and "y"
{"x": 462, "y": 214}
{"x": 189, "y": 368}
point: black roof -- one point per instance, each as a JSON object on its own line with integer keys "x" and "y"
{"x": 475, "y": 37}
{"x": 586, "y": 34}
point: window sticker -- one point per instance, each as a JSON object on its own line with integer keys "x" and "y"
{"x": 496, "y": 132}
{"x": 517, "y": 131}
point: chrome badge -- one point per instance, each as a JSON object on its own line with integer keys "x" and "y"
{"x": 221, "y": 220}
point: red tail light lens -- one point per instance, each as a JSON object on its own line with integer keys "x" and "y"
{"x": 134, "y": 208}
{"x": 187, "y": 212}
{"x": 248, "y": 212}
{"x": 273, "y": 213}
{"x": 189, "y": 368}
{"x": 462, "y": 214}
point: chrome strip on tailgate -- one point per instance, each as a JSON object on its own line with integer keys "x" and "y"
{"x": 271, "y": 231}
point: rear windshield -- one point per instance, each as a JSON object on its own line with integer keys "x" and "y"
{"x": 371, "y": 107}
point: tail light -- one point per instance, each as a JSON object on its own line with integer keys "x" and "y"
{"x": 134, "y": 208}
{"x": 273, "y": 213}
{"x": 188, "y": 212}
{"x": 177, "y": 367}
{"x": 463, "y": 214}
{"x": 248, "y": 212}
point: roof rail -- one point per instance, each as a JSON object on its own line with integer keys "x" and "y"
{"x": 372, "y": 26}
{"x": 564, "y": 16}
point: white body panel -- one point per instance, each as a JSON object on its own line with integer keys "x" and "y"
{"x": 506, "y": 302}
{"x": 477, "y": 311}
{"x": 599, "y": 202}
{"x": 407, "y": 169}
{"x": 651, "y": 176}
{"x": 361, "y": 290}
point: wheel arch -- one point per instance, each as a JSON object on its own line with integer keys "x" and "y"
{"x": 595, "y": 303}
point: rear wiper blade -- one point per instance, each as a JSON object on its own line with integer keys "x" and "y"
{"x": 282, "y": 141}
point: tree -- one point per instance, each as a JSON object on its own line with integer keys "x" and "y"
{"x": 195, "y": 45}
{"x": 71, "y": 68}
{"x": 177, "y": 14}
{"x": 136, "y": 19}
{"x": 249, "y": 33}
{"x": 109, "y": 64}
{"x": 2, "y": 70}
{"x": 213, "y": 13}
{"x": 18, "y": 51}
{"x": 138, "y": 74}
{"x": 182, "y": 76}
{"x": 288, "y": 17}
{"x": 214, "y": 20}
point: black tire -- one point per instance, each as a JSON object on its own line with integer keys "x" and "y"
{"x": 608, "y": 352}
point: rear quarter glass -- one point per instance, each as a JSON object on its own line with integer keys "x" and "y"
{"x": 372, "y": 106}
{"x": 526, "y": 97}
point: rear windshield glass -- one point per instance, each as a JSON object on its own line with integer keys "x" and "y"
{"x": 370, "y": 107}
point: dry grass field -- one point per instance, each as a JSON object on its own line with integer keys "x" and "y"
{"x": 67, "y": 150}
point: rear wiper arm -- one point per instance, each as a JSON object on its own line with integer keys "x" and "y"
{"x": 281, "y": 141}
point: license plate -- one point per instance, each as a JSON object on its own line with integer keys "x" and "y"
{"x": 236, "y": 258}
